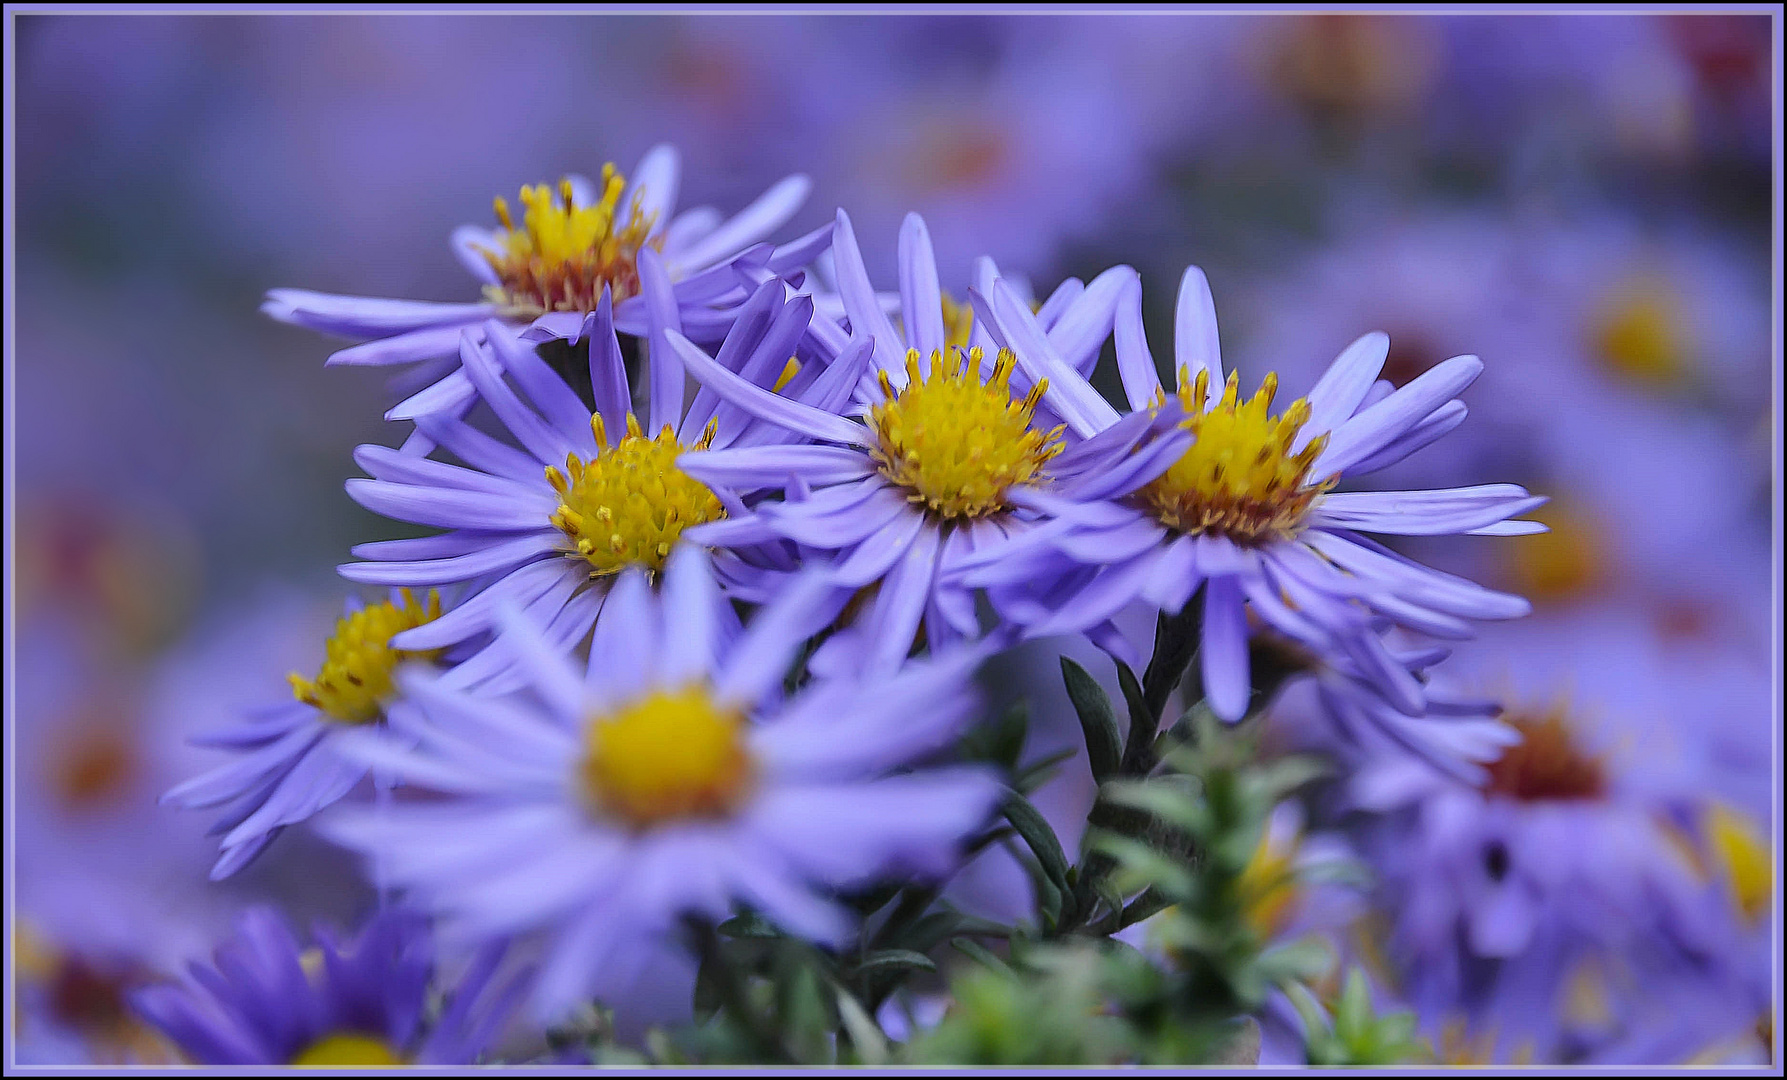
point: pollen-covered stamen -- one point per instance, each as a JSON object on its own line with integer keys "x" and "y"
{"x": 672, "y": 754}
{"x": 957, "y": 444}
{"x": 1240, "y": 478}
{"x": 628, "y": 505}
{"x": 355, "y": 682}
{"x": 562, "y": 255}
{"x": 958, "y": 322}
{"x": 1546, "y": 764}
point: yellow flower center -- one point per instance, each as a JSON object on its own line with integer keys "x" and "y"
{"x": 1546, "y": 764}
{"x": 344, "y": 1050}
{"x": 628, "y": 505}
{"x": 1561, "y": 564}
{"x": 672, "y": 754}
{"x": 1741, "y": 857}
{"x": 1268, "y": 885}
{"x": 955, "y": 443}
{"x": 562, "y": 255}
{"x": 355, "y": 682}
{"x": 1239, "y": 479}
{"x": 1638, "y": 335}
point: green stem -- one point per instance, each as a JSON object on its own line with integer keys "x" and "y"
{"x": 735, "y": 999}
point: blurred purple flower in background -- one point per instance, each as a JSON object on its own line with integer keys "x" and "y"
{"x": 361, "y": 1003}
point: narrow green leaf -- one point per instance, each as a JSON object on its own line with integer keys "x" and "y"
{"x": 1352, "y": 1014}
{"x": 882, "y": 961}
{"x": 748, "y": 925}
{"x": 980, "y": 954}
{"x": 865, "y": 1034}
{"x": 1038, "y": 836}
{"x": 1300, "y": 961}
{"x": 1098, "y": 720}
{"x": 1166, "y": 798}
{"x": 1142, "y": 721}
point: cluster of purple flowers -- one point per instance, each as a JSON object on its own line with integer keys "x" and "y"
{"x": 721, "y": 539}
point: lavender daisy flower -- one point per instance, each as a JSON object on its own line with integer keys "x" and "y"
{"x": 549, "y": 526}
{"x": 270, "y": 1001}
{"x": 287, "y": 766}
{"x": 957, "y": 452}
{"x": 670, "y": 778}
{"x": 1247, "y": 511}
{"x": 544, "y": 274}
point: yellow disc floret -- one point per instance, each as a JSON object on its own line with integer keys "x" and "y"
{"x": 346, "y": 1050}
{"x": 1239, "y": 479}
{"x": 1566, "y": 562}
{"x": 562, "y": 255}
{"x": 1741, "y": 857}
{"x": 672, "y": 754}
{"x": 355, "y": 682}
{"x": 1638, "y": 335}
{"x": 628, "y": 505}
{"x": 1268, "y": 884}
{"x": 958, "y": 322}
{"x": 955, "y": 443}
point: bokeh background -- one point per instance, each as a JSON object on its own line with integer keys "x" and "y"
{"x": 1584, "y": 201}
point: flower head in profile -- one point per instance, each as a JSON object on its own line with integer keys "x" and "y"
{"x": 1247, "y": 509}
{"x": 552, "y": 520}
{"x": 363, "y": 1003}
{"x": 671, "y": 777}
{"x": 548, "y": 264}
{"x": 1346, "y": 712}
{"x": 286, "y": 767}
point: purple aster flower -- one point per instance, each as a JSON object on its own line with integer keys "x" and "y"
{"x": 542, "y": 275}
{"x": 287, "y": 766}
{"x": 1558, "y": 903}
{"x": 959, "y": 450}
{"x": 549, "y": 524}
{"x": 1247, "y": 510}
{"x": 271, "y": 1001}
{"x": 670, "y": 777}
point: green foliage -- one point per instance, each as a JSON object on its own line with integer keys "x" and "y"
{"x": 1355, "y": 1035}
{"x": 1053, "y": 1009}
{"x": 1172, "y": 838}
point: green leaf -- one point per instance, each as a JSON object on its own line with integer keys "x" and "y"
{"x": 1352, "y": 1014}
{"x": 1039, "y": 773}
{"x": 801, "y": 1010}
{"x": 1107, "y": 892}
{"x": 748, "y": 924}
{"x": 865, "y": 1034}
{"x": 1000, "y": 740}
{"x": 1098, "y": 720}
{"x": 883, "y": 961}
{"x": 1299, "y": 961}
{"x": 980, "y": 954}
{"x": 1142, "y": 721}
{"x": 1038, "y": 836}
{"x": 1279, "y": 778}
{"x": 1166, "y": 798}
{"x": 1145, "y": 865}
